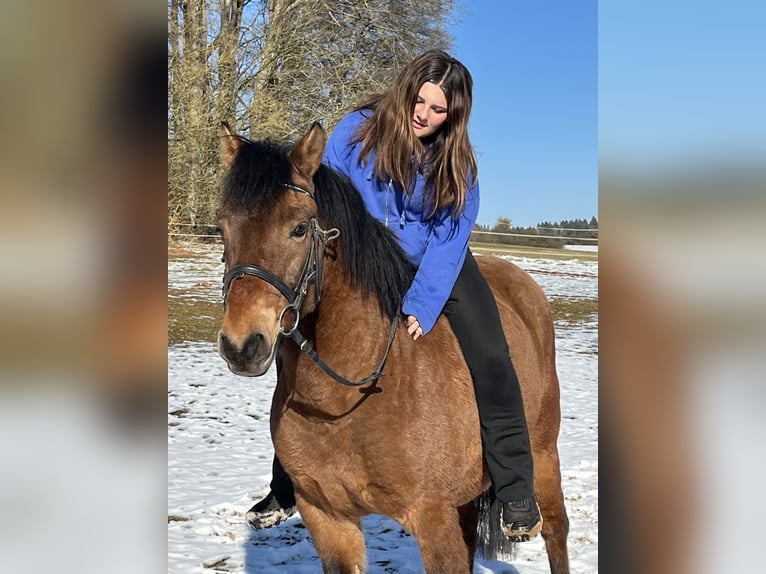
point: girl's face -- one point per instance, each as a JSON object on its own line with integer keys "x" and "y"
{"x": 430, "y": 110}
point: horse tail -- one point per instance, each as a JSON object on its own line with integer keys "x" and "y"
{"x": 491, "y": 543}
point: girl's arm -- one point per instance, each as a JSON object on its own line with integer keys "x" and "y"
{"x": 441, "y": 263}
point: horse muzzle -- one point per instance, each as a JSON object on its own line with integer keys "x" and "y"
{"x": 250, "y": 358}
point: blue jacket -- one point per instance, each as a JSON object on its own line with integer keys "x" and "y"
{"x": 437, "y": 246}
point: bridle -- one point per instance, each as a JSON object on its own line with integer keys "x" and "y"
{"x": 312, "y": 272}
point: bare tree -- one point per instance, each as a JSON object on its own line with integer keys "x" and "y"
{"x": 190, "y": 156}
{"x": 271, "y": 67}
{"x": 320, "y": 57}
{"x": 227, "y": 45}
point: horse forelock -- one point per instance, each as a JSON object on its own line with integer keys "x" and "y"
{"x": 254, "y": 180}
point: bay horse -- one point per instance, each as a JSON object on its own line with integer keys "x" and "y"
{"x": 364, "y": 419}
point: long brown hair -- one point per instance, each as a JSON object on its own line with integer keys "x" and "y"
{"x": 446, "y": 160}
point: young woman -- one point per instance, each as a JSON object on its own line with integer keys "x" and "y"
{"x": 408, "y": 153}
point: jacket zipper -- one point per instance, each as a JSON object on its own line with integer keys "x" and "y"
{"x": 405, "y": 200}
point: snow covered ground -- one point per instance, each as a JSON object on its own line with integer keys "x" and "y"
{"x": 220, "y": 451}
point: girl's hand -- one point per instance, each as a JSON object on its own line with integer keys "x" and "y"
{"x": 413, "y": 327}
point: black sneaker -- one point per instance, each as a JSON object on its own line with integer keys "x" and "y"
{"x": 522, "y": 520}
{"x": 269, "y": 512}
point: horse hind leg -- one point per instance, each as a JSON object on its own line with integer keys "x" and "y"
{"x": 339, "y": 542}
{"x": 550, "y": 497}
{"x": 438, "y": 528}
{"x": 469, "y": 522}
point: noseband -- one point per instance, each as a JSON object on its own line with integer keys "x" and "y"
{"x": 312, "y": 272}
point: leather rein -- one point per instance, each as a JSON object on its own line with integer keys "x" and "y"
{"x": 312, "y": 272}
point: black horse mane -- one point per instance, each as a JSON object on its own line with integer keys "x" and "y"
{"x": 372, "y": 257}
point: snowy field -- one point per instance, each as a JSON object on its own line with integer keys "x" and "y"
{"x": 220, "y": 451}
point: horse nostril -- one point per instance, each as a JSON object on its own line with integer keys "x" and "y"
{"x": 225, "y": 347}
{"x": 255, "y": 349}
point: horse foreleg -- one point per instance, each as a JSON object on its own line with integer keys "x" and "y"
{"x": 551, "y": 500}
{"x": 339, "y": 542}
{"x": 437, "y": 528}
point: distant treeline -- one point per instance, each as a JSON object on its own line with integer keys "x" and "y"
{"x": 544, "y": 234}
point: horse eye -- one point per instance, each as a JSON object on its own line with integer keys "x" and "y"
{"x": 219, "y": 231}
{"x": 299, "y": 231}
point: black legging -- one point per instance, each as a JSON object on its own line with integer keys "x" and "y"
{"x": 472, "y": 313}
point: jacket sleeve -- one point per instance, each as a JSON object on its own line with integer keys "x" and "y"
{"x": 338, "y": 151}
{"x": 441, "y": 263}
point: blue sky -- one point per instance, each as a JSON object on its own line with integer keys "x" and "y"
{"x": 534, "y": 119}
{"x": 682, "y": 83}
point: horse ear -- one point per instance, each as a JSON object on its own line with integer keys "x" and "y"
{"x": 230, "y": 144}
{"x": 306, "y": 155}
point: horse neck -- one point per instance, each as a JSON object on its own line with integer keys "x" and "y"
{"x": 350, "y": 334}
{"x": 347, "y": 318}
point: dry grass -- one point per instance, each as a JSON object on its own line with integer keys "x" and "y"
{"x": 192, "y": 320}
{"x": 574, "y": 310}
{"x": 525, "y": 251}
